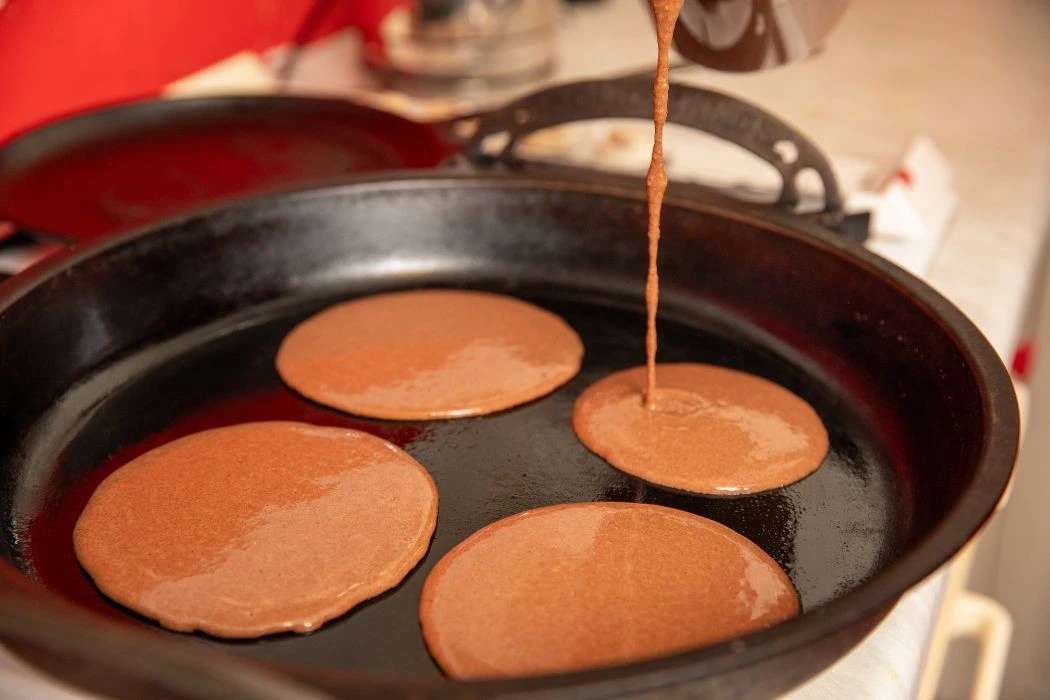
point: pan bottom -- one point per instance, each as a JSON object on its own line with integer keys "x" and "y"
{"x": 830, "y": 532}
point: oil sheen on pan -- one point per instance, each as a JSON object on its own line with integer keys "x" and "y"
{"x": 257, "y": 528}
{"x": 709, "y": 430}
{"x": 428, "y": 354}
{"x": 584, "y": 585}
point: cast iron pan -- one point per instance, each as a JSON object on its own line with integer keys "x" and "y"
{"x": 114, "y": 349}
{"x": 122, "y": 167}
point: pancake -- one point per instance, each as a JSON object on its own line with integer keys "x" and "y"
{"x": 711, "y": 430}
{"x": 701, "y": 429}
{"x": 257, "y": 528}
{"x": 583, "y": 585}
{"x": 426, "y": 354}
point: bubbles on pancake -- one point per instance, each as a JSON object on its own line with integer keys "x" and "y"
{"x": 676, "y": 403}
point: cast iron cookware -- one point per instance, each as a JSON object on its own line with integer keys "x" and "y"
{"x": 129, "y": 165}
{"x": 109, "y": 350}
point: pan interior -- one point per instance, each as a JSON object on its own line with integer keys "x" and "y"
{"x": 830, "y": 532}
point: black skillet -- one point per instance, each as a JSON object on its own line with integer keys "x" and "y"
{"x": 110, "y": 350}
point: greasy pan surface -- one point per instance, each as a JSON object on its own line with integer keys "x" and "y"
{"x": 160, "y": 334}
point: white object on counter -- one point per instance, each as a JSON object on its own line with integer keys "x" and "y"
{"x": 912, "y": 212}
{"x": 888, "y": 664}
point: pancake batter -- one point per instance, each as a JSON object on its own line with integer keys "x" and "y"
{"x": 710, "y": 430}
{"x": 666, "y": 14}
{"x": 577, "y": 586}
{"x": 702, "y": 429}
{"x": 257, "y": 528}
{"x": 434, "y": 353}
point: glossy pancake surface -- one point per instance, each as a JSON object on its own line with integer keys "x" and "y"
{"x": 432, "y": 353}
{"x": 711, "y": 430}
{"x": 583, "y": 585}
{"x": 257, "y": 528}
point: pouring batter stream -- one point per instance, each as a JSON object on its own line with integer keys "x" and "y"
{"x": 696, "y": 427}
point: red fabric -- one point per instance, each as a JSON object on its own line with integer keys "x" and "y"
{"x": 1023, "y": 360}
{"x": 62, "y": 56}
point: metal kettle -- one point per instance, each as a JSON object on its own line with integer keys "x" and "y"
{"x": 731, "y": 35}
{"x": 751, "y": 35}
{"x": 490, "y": 41}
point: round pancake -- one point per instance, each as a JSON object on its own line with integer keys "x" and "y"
{"x": 712, "y": 430}
{"x": 432, "y": 353}
{"x": 583, "y": 585}
{"x": 257, "y": 528}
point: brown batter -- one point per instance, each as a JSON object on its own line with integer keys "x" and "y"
{"x": 711, "y": 430}
{"x": 257, "y": 528}
{"x": 702, "y": 429}
{"x": 426, "y": 354}
{"x": 666, "y": 13}
{"x": 582, "y": 585}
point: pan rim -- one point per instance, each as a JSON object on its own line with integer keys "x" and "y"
{"x": 870, "y": 600}
{"x": 134, "y": 107}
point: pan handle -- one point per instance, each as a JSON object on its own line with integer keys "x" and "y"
{"x": 715, "y": 113}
